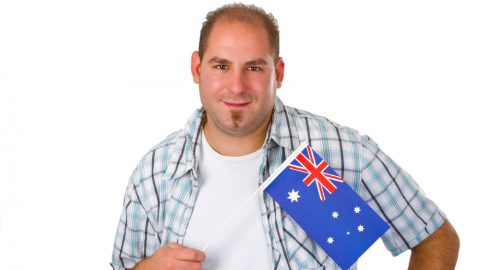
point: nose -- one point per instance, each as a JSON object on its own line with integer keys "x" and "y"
{"x": 238, "y": 82}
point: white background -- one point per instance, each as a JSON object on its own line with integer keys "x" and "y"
{"x": 87, "y": 87}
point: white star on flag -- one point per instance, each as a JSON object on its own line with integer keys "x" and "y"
{"x": 360, "y": 228}
{"x": 357, "y": 210}
{"x": 330, "y": 240}
{"x": 335, "y": 214}
{"x": 293, "y": 196}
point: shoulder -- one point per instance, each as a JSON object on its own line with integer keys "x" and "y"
{"x": 155, "y": 162}
{"x": 173, "y": 156}
{"x": 320, "y": 127}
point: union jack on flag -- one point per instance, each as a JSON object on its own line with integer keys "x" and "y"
{"x": 316, "y": 173}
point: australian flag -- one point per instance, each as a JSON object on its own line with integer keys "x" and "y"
{"x": 326, "y": 207}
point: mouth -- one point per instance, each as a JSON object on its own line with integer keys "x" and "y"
{"x": 236, "y": 104}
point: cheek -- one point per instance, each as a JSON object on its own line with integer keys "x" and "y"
{"x": 264, "y": 87}
{"x": 210, "y": 90}
{"x": 212, "y": 83}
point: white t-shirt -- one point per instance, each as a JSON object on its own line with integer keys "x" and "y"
{"x": 225, "y": 183}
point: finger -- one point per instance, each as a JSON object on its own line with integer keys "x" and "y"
{"x": 184, "y": 265}
{"x": 189, "y": 254}
{"x": 183, "y": 253}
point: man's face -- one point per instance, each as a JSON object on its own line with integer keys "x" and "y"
{"x": 237, "y": 78}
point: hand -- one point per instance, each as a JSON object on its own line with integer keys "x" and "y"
{"x": 173, "y": 256}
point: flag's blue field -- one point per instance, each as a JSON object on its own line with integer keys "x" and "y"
{"x": 326, "y": 207}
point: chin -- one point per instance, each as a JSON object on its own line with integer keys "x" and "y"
{"x": 234, "y": 129}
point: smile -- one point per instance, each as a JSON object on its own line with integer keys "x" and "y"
{"x": 236, "y": 104}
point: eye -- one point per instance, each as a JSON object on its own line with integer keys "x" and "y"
{"x": 254, "y": 68}
{"x": 222, "y": 67}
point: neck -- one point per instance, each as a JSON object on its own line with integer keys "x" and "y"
{"x": 228, "y": 145}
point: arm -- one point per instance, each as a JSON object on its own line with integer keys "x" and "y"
{"x": 438, "y": 251}
{"x": 173, "y": 256}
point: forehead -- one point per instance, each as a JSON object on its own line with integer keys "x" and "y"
{"x": 239, "y": 38}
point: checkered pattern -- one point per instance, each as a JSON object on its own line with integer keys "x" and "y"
{"x": 161, "y": 193}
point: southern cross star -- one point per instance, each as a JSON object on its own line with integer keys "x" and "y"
{"x": 293, "y": 196}
{"x": 330, "y": 240}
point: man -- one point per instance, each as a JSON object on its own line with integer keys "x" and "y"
{"x": 185, "y": 188}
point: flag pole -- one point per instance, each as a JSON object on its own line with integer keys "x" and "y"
{"x": 232, "y": 217}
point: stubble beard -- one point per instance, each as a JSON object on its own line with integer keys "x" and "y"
{"x": 236, "y": 117}
{"x": 236, "y": 128}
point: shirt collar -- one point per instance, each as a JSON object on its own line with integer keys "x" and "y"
{"x": 283, "y": 128}
{"x": 185, "y": 149}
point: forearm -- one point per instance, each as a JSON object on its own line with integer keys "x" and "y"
{"x": 438, "y": 251}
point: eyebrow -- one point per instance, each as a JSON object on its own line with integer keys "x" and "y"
{"x": 218, "y": 60}
{"x": 257, "y": 62}
{"x": 254, "y": 62}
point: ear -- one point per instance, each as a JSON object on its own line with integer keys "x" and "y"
{"x": 279, "y": 70}
{"x": 195, "y": 66}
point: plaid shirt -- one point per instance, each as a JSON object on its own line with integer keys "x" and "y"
{"x": 160, "y": 196}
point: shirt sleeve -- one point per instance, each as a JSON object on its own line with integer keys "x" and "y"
{"x": 395, "y": 196}
{"x": 135, "y": 238}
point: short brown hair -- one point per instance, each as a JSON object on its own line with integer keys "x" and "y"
{"x": 238, "y": 12}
